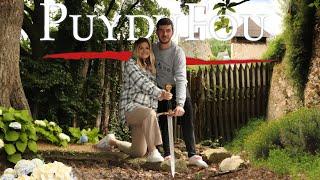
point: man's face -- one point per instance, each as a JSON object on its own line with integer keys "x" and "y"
{"x": 164, "y": 33}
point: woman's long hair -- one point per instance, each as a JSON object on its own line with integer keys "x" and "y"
{"x": 149, "y": 64}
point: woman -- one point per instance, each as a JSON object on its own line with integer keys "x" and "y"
{"x": 138, "y": 104}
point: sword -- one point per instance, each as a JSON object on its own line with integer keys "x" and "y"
{"x": 168, "y": 88}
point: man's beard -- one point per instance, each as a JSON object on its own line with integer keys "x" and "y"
{"x": 164, "y": 42}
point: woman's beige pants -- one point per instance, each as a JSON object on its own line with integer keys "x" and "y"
{"x": 145, "y": 132}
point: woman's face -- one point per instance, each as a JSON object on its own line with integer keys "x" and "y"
{"x": 143, "y": 50}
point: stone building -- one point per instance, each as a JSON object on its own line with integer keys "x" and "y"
{"x": 241, "y": 48}
{"x": 196, "y": 48}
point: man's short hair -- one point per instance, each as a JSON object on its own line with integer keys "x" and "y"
{"x": 164, "y": 21}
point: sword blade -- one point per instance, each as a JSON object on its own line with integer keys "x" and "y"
{"x": 171, "y": 145}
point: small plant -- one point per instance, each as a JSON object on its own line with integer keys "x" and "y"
{"x": 84, "y": 135}
{"x": 296, "y": 132}
{"x": 50, "y": 131}
{"x": 212, "y": 144}
{"x": 276, "y": 49}
{"x": 289, "y": 145}
{"x": 315, "y": 4}
{"x": 17, "y": 133}
{"x": 237, "y": 144}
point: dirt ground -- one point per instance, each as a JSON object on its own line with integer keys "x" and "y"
{"x": 85, "y": 170}
{"x": 93, "y": 168}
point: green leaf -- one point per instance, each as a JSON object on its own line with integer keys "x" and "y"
{"x": 11, "y": 110}
{"x": 232, "y": 4}
{"x": 311, "y": 5}
{"x": 231, "y": 9}
{"x": 3, "y": 126}
{"x": 23, "y": 115}
{"x": 8, "y": 116}
{"x": 14, "y": 158}
{"x": 21, "y": 146}
{"x": 32, "y": 145}
{"x": 93, "y": 135}
{"x": 24, "y": 137}
{"x": 10, "y": 149}
{"x": 12, "y": 135}
{"x": 75, "y": 132}
{"x": 218, "y": 5}
{"x": 33, "y": 133}
{"x": 64, "y": 143}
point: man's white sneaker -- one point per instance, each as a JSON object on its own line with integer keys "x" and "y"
{"x": 167, "y": 158}
{"x": 197, "y": 160}
{"x": 105, "y": 142}
{"x": 155, "y": 156}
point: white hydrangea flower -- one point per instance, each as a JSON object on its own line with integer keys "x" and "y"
{"x": 0, "y": 112}
{"x": 24, "y": 167}
{"x": 37, "y": 162}
{"x": 63, "y": 136}
{"x": 25, "y": 177}
{"x": 1, "y": 143}
{"x": 52, "y": 123}
{"x": 40, "y": 123}
{"x": 9, "y": 171}
{"x": 15, "y": 125}
{"x": 55, "y": 170}
{"x": 7, "y": 177}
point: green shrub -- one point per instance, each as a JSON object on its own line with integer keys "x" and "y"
{"x": 289, "y": 145}
{"x": 50, "y": 131}
{"x": 298, "y": 36}
{"x": 237, "y": 143}
{"x": 299, "y": 166}
{"x": 276, "y": 49}
{"x": 264, "y": 138}
{"x": 297, "y": 132}
{"x": 301, "y": 131}
{"x": 92, "y": 134}
{"x": 17, "y": 132}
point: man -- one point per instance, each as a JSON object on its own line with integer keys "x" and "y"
{"x": 171, "y": 69}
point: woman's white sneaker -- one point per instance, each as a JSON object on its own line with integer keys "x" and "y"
{"x": 105, "y": 142}
{"x": 155, "y": 156}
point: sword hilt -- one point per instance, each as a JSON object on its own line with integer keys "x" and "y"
{"x": 168, "y": 88}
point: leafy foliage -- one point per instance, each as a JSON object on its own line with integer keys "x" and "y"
{"x": 298, "y": 38}
{"x": 289, "y": 145}
{"x": 237, "y": 144}
{"x": 315, "y": 4}
{"x": 17, "y": 139}
{"x": 49, "y": 131}
{"x": 296, "y": 132}
{"x": 92, "y": 134}
{"x": 276, "y": 49}
{"x": 224, "y": 7}
{"x": 219, "y": 46}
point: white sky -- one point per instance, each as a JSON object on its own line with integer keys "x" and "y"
{"x": 270, "y": 8}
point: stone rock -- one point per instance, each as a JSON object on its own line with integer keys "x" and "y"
{"x": 231, "y": 164}
{"x": 312, "y": 90}
{"x": 215, "y": 155}
{"x": 283, "y": 94}
{"x": 137, "y": 162}
{"x": 181, "y": 165}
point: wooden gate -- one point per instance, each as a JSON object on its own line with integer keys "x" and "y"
{"x": 226, "y": 96}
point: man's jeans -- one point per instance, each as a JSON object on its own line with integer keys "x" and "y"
{"x": 185, "y": 121}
